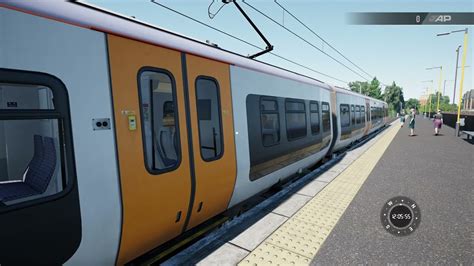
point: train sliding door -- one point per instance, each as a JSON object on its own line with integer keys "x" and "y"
{"x": 368, "y": 124}
{"x": 212, "y": 137}
{"x": 149, "y": 108}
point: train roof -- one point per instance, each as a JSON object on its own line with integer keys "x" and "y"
{"x": 342, "y": 90}
{"x": 92, "y": 17}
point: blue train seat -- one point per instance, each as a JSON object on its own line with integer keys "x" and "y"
{"x": 38, "y": 173}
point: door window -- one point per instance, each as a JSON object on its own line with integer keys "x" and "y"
{"x": 358, "y": 115}
{"x": 353, "y": 116}
{"x": 159, "y": 120}
{"x": 345, "y": 115}
{"x": 362, "y": 114}
{"x": 209, "y": 118}
{"x": 325, "y": 117}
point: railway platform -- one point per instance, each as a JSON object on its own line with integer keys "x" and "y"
{"x": 334, "y": 215}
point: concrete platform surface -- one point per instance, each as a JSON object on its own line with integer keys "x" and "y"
{"x": 437, "y": 172}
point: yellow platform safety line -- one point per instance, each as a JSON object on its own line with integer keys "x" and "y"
{"x": 297, "y": 241}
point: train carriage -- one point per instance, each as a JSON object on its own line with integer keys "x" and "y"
{"x": 282, "y": 128}
{"x": 357, "y": 115}
{"x": 117, "y": 137}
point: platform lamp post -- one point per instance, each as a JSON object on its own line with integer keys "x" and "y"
{"x": 463, "y": 64}
{"x": 444, "y": 87}
{"x": 456, "y": 73}
{"x": 429, "y": 96}
{"x": 439, "y": 83}
{"x": 425, "y": 106}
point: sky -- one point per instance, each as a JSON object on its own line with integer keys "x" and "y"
{"x": 392, "y": 53}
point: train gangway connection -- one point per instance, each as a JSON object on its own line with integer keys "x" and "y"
{"x": 334, "y": 215}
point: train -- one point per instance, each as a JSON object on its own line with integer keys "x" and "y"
{"x": 118, "y": 137}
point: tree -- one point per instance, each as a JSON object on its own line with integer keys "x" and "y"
{"x": 444, "y": 104}
{"x": 393, "y": 95}
{"x": 359, "y": 86}
{"x": 412, "y": 103}
{"x": 374, "y": 89}
{"x": 371, "y": 89}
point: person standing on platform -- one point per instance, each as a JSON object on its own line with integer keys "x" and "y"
{"x": 402, "y": 118}
{"x": 411, "y": 124}
{"x": 437, "y": 122}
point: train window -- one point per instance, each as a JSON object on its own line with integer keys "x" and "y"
{"x": 269, "y": 121}
{"x": 345, "y": 115}
{"x": 362, "y": 114}
{"x": 209, "y": 114}
{"x": 295, "y": 119}
{"x": 159, "y": 120}
{"x": 357, "y": 109}
{"x": 373, "y": 114}
{"x": 353, "y": 115}
{"x": 314, "y": 117}
{"x": 29, "y": 97}
{"x": 325, "y": 117}
{"x": 269, "y": 105}
{"x": 35, "y": 143}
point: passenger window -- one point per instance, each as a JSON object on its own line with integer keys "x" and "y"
{"x": 28, "y": 97}
{"x": 269, "y": 122}
{"x": 31, "y": 143}
{"x": 314, "y": 117}
{"x": 345, "y": 115}
{"x": 357, "y": 114}
{"x": 159, "y": 120}
{"x": 325, "y": 117}
{"x": 209, "y": 118}
{"x": 295, "y": 119}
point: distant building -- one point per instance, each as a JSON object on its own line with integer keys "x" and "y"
{"x": 423, "y": 99}
{"x": 468, "y": 101}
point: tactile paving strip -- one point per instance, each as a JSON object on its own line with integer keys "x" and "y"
{"x": 298, "y": 240}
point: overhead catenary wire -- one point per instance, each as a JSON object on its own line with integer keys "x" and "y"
{"x": 212, "y": 15}
{"x": 204, "y": 24}
{"x": 246, "y": 42}
{"x": 321, "y": 38}
{"x": 303, "y": 39}
{"x": 308, "y": 68}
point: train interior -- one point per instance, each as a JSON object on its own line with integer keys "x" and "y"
{"x": 208, "y": 109}
{"x": 158, "y": 111}
{"x": 29, "y": 145}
